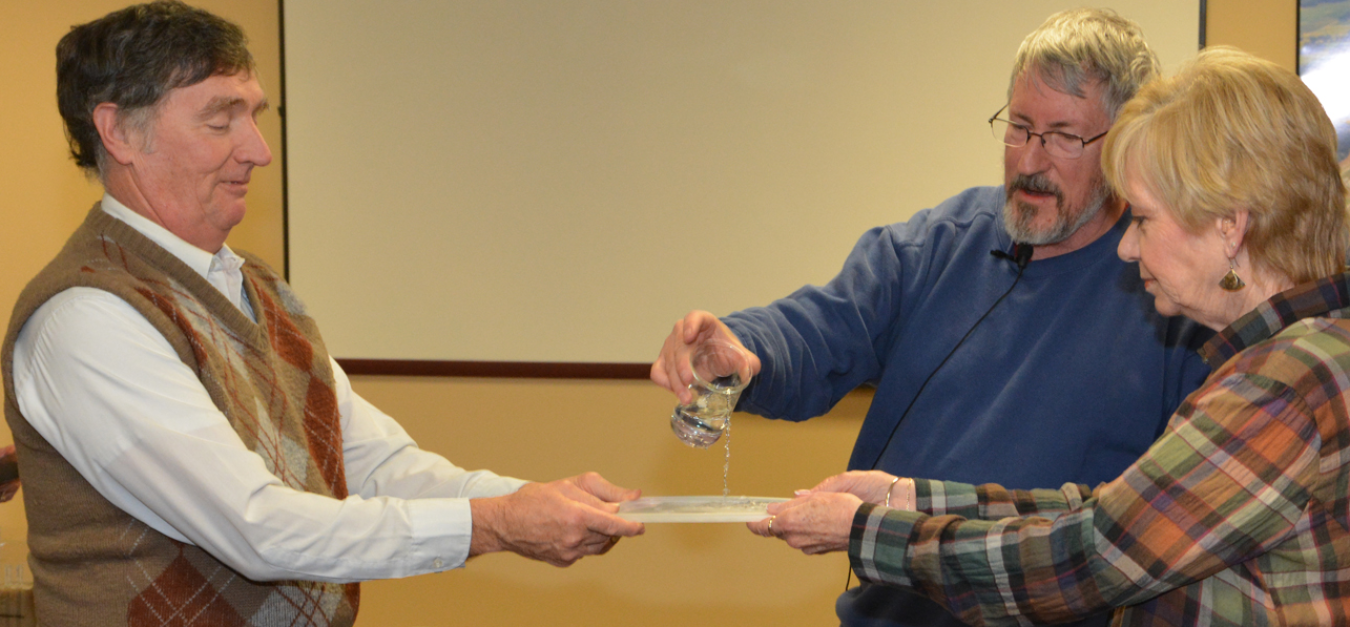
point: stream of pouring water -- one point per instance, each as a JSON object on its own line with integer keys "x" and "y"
{"x": 726, "y": 464}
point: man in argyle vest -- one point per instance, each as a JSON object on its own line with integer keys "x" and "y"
{"x": 191, "y": 454}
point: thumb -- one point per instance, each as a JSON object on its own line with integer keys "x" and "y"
{"x": 604, "y": 490}
{"x": 837, "y": 483}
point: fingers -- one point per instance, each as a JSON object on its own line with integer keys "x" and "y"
{"x": 819, "y": 522}
{"x": 593, "y": 492}
{"x": 847, "y": 481}
{"x": 565, "y": 555}
{"x": 593, "y": 515}
{"x": 870, "y": 486}
{"x": 558, "y": 523}
{"x": 596, "y": 485}
{"x": 698, "y": 325}
{"x": 593, "y": 545}
{"x": 671, "y": 369}
{"x": 761, "y": 527}
{"x": 611, "y": 526}
{"x": 607, "y": 545}
{"x": 666, "y": 370}
{"x": 658, "y": 373}
{"x": 785, "y": 528}
{"x": 831, "y": 484}
{"x": 602, "y": 532}
{"x": 570, "y": 491}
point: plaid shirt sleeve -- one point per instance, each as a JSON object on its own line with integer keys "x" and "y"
{"x": 994, "y": 502}
{"x": 1228, "y": 480}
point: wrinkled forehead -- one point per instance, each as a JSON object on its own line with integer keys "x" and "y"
{"x": 1038, "y": 98}
{"x": 220, "y": 92}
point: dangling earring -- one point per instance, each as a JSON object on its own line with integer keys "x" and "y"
{"x": 1231, "y": 282}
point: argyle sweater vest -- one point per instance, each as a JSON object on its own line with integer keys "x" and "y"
{"x": 94, "y": 564}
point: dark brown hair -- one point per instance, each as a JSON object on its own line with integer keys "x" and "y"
{"x": 132, "y": 58}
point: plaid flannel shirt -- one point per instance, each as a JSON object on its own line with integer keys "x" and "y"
{"x": 1237, "y": 515}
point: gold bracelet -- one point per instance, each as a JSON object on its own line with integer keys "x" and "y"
{"x": 912, "y": 488}
{"x": 888, "y": 492}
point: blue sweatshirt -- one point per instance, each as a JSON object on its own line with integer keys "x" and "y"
{"x": 1069, "y": 379}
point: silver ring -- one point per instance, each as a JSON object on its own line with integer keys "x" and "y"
{"x": 771, "y": 525}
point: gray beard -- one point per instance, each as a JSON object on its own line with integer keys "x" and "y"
{"x": 1018, "y": 216}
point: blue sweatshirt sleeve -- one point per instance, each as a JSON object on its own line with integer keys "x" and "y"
{"x": 821, "y": 342}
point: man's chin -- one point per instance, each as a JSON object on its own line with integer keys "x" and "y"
{"x": 1037, "y": 230}
{"x": 231, "y": 214}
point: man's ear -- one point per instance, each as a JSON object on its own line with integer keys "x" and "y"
{"x": 116, "y": 140}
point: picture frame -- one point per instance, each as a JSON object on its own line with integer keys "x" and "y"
{"x": 1324, "y": 62}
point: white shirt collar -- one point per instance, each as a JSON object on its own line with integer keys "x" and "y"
{"x": 220, "y": 269}
{"x": 194, "y": 257}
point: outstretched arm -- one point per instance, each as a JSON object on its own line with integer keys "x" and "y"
{"x": 1229, "y": 480}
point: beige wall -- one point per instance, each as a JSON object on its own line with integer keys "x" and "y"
{"x": 1265, "y": 28}
{"x": 676, "y": 574}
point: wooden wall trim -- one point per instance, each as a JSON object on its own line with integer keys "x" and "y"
{"x": 494, "y": 369}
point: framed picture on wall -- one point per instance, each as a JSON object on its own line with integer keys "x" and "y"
{"x": 1324, "y": 61}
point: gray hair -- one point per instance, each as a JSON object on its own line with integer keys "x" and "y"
{"x": 1082, "y": 46}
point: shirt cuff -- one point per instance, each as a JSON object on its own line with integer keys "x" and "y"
{"x": 879, "y": 544}
{"x": 946, "y": 498}
{"x": 442, "y": 530}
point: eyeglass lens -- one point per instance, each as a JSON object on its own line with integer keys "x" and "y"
{"x": 1056, "y": 143}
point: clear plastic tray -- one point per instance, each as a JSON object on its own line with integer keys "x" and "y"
{"x": 696, "y": 509}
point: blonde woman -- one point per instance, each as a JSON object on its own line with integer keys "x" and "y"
{"x": 1239, "y": 513}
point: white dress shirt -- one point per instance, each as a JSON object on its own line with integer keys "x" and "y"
{"x": 107, "y": 390}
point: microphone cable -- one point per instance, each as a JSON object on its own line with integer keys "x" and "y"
{"x": 1021, "y": 255}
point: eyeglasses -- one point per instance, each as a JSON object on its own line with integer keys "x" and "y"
{"x": 1062, "y": 145}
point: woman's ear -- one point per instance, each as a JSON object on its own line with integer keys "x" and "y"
{"x": 1234, "y": 230}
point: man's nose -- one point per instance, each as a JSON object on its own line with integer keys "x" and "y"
{"x": 1032, "y": 157}
{"x": 254, "y": 149}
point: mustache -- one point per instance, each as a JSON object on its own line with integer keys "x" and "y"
{"x": 1036, "y": 184}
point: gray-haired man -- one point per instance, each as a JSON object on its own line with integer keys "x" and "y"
{"x": 1039, "y": 364}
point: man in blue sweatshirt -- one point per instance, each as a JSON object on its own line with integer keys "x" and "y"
{"x": 1006, "y": 340}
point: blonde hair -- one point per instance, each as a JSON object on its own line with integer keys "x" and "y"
{"x": 1231, "y": 132}
{"x": 1082, "y": 46}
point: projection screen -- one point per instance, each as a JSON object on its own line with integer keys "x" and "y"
{"x": 560, "y": 180}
